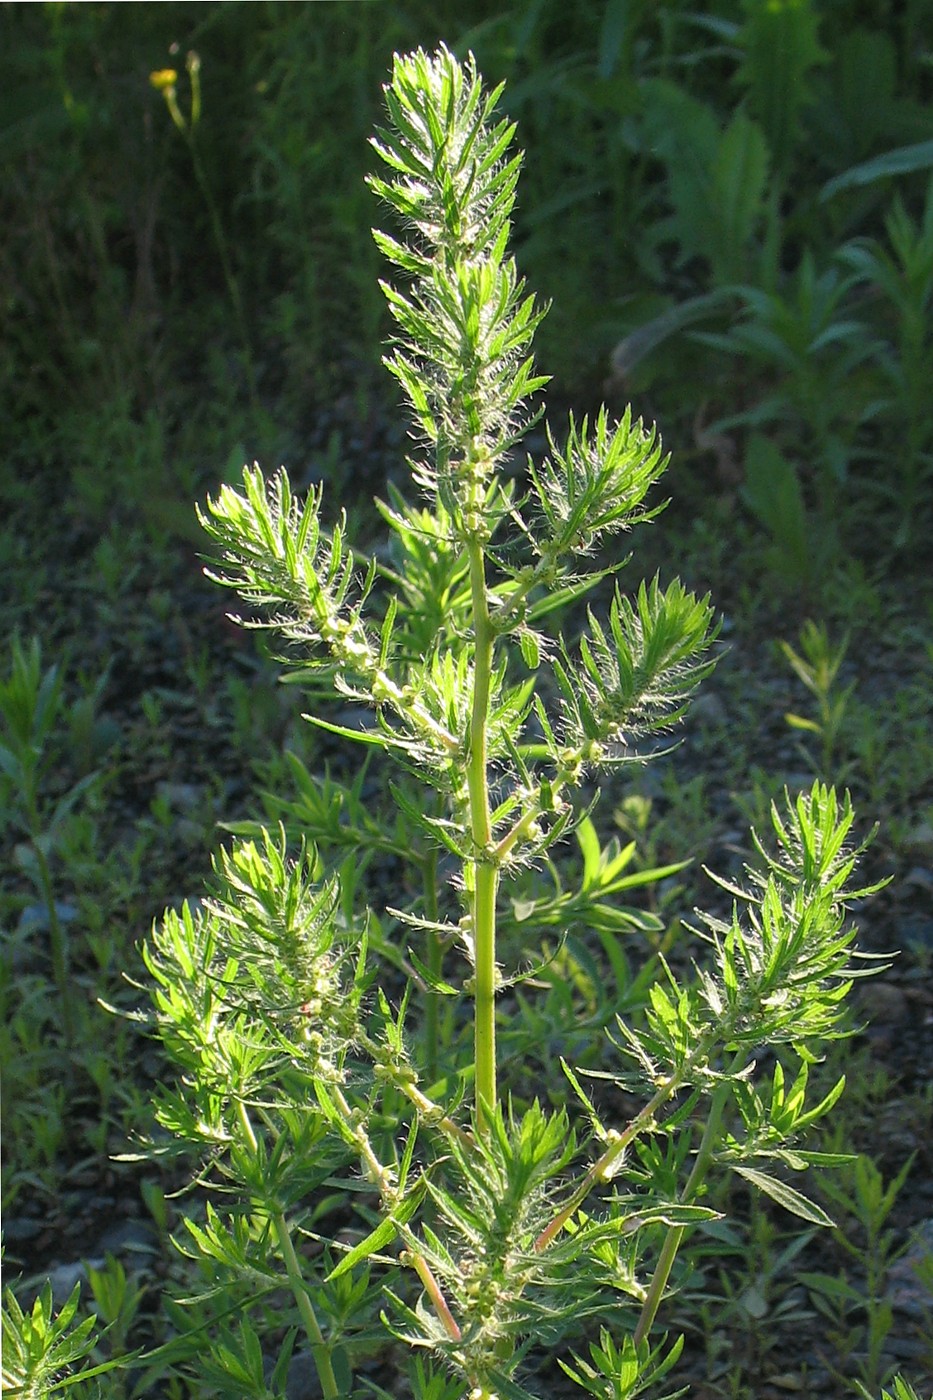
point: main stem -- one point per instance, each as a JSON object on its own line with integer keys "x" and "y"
{"x": 485, "y": 868}
{"x": 435, "y": 960}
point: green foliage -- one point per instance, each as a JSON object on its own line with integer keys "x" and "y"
{"x": 295, "y": 1080}
{"x": 781, "y": 48}
{"x": 773, "y": 493}
{"x": 225, "y": 237}
{"x": 149, "y": 281}
{"x": 30, "y": 711}
{"x": 817, "y": 666}
{"x": 862, "y": 1322}
{"x": 902, "y": 1391}
{"x": 620, "y": 1372}
{"x": 60, "y": 1055}
{"x": 41, "y": 1348}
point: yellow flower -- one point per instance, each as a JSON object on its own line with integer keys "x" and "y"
{"x": 163, "y": 79}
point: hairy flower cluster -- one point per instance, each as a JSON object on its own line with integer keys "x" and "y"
{"x": 262, "y": 985}
{"x": 465, "y": 324}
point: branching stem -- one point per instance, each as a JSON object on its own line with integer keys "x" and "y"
{"x": 675, "y": 1233}
{"x": 312, "y": 1327}
{"x": 433, "y": 1289}
{"x": 604, "y": 1167}
{"x": 319, "y": 1348}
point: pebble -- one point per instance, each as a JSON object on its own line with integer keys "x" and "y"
{"x": 905, "y": 1349}
{"x": 797, "y": 780}
{"x": 180, "y": 797}
{"x": 35, "y": 917}
{"x": 916, "y": 932}
{"x": 921, "y": 877}
{"x": 302, "y": 1383}
{"x": 63, "y": 1278}
{"x": 919, "y": 842}
{"x": 708, "y": 711}
{"x": 905, "y": 1292}
{"x": 21, "y": 1231}
{"x": 881, "y": 1003}
{"x": 129, "y": 1237}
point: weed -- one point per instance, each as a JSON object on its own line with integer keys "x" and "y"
{"x": 294, "y": 1078}
{"x": 817, "y": 665}
{"x": 860, "y": 1316}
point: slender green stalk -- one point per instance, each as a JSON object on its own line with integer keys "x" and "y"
{"x": 435, "y": 961}
{"x": 603, "y": 1168}
{"x": 384, "y": 1180}
{"x": 165, "y": 82}
{"x": 605, "y": 1165}
{"x": 432, "y": 1113}
{"x": 675, "y": 1233}
{"x": 322, "y": 1361}
{"x": 329, "y": 1388}
{"x": 485, "y": 871}
{"x": 433, "y": 1289}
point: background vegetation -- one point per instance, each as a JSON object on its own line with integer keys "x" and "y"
{"x": 731, "y": 206}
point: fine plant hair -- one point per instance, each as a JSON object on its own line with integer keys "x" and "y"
{"x": 482, "y": 1226}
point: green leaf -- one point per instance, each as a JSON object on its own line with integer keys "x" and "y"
{"x": 381, "y": 1237}
{"x": 531, "y": 652}
{"x": 905, "y": 160}
{"x": 740, "y": 179}
{"x": 801, "y": 722}
{"x": 431, "y": 979}
{"x": 785, "y": 1195}
{"x": 647, "y": 338}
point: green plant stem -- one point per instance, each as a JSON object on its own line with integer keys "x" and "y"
{"x": 435, "y": 961}
{"x": 233, "y": 287}
{"x": 325, "y": 1370}
{"x": 604, "y": 1167}
{"x": 675, "y": 1233}
{"x": 485, "y": 870}
{"x": 384, "y": 1180}
{"x": 434, "y": 1114}
{"x": 433, "y": 1289}
{"x": 381, "y": 1176}
{"x": 312, "y": 1327}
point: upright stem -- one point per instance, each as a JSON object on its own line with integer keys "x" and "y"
{"x": 233, "y": 286}
{"x": 675, "y": 1233}
{"x": 322, "y": 1361}
{"x": 435, "y": 961}
{"x": 325, "y": 1370}
{"x": 485, "y": 869}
